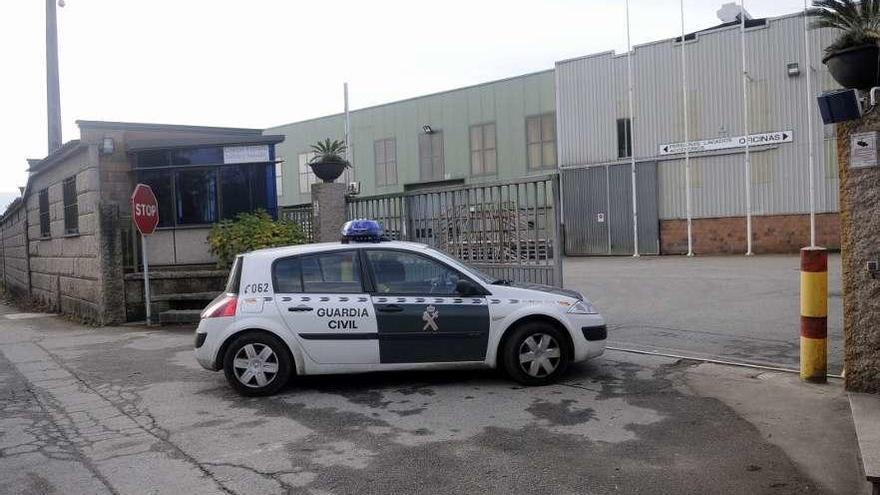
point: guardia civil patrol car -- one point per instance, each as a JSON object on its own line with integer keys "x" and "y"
{"x": 366, "y": 304}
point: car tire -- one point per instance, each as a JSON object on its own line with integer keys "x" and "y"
{"x": 257, "y": 364}
{"x": 536, "y": 353}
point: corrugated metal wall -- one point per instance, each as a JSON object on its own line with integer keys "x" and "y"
{"x": 592, "y": 96}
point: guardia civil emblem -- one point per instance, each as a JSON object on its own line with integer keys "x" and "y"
{"x": 429, "y": 317}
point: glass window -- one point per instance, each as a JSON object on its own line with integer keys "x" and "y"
{"x": 71, "y": 209}
{"x": 235, "y": 190}
{"x": 624, "y": 138}
{"x": 196, "y": 197}
{"x": 398, "y": 272}
{"x": 197, "y": 156}
{"x": 385, "y": 152}
{"x": 152, "y": 158}
{"x": 288, "y": 276}
{"x": 279, "y": 175}
{"x": 44, "y": 214}
{"x": 331, "y": 273}
{"x": 541, "y": 141}
{"x": 432, "y": 163}
{"x": 161, "y": 182}
{"x": 306, "y": 176}
{"x": 234, "y": 282}
{"x": 483, "y": 152}
{"x": 260, "y": 175}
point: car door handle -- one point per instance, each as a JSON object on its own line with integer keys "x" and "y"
{"x": 391, "y": 308}
{"x": 299, "y": 309}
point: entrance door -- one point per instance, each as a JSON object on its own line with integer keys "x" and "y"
{"x": 322, "y": 300}
{"x": 432, "y": 164}
{"x": 420, "y": 317}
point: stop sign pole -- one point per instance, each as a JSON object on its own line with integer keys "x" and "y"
{"x": 145, "y": 215}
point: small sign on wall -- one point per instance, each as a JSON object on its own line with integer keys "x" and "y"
{"x": 600, "y": 217}
{"x": 863, "y": 150}
{"x": 245, "y": 154}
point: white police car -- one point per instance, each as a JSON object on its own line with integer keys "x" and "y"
{"x": 363, "y": 305}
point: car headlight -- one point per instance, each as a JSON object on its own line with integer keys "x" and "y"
{"x": 582, "y": 308}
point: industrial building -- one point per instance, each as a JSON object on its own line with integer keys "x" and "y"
{"x": 575, "y": 120}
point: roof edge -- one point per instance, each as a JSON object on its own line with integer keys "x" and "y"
{"x": 143, "y": 126}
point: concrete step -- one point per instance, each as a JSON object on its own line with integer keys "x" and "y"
{"x": 180, "y": 317}
{"x": 866, "y": 418}
{"x": 186, "y": 296}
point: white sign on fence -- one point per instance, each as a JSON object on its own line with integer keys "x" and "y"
{"x": 863, "y": 150}
{"x": 724, "y": 143}
{"x": 246, "y": 154}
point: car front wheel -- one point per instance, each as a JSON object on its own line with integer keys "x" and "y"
{"x": 536, "y": 354}
{"x": 257, "y": 364}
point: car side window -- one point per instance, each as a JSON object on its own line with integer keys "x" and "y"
{"x": 288, "y": 276}
{"x": 336, "y": 272}
{"x": 398, "y": 272}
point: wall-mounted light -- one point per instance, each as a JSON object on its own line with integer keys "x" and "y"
{"x": 108, "y": 146}
{"x": 794, "y": 69}
{"x": 427, "y": 129}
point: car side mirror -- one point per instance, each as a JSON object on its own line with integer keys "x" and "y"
{"x": 467, "y": 288}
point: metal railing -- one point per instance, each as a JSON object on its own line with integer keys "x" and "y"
{"x": 507, "y": 229}
{"x": 300, "y": 215}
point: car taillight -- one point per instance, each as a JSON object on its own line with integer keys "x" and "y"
{"x": 223, "y": 306}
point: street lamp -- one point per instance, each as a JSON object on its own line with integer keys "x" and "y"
{"x": 53, "y": 91}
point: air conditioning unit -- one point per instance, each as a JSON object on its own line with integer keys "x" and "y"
{"x": 354, "y": 188}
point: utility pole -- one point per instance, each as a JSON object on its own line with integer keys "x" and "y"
{"x": 53, "y": 91}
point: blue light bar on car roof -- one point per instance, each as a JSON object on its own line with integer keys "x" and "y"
{"x": 362, "y": 230}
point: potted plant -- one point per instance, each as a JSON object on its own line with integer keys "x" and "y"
{"x": 329, "y": 161}
{"x": 854, "y": 58}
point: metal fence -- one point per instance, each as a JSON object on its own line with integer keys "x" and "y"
{"x": 300, "y": 215}
{"x": 507, "y": 229}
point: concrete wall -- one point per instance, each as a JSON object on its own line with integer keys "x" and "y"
{"x": 13, "y": 246}
{"x": 507, "y": 103}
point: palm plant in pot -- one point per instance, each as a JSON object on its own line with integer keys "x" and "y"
{"x": 854, "y": 58}
{"x": 329, "y": 161}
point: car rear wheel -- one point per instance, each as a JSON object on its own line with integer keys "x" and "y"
{"x": 536, "y": 354}
{"x": 257, "y": 364}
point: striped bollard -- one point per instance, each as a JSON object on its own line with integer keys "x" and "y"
{"x": 814, "y": 314}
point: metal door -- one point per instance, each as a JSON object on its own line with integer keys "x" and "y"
{"x": 585, "y": 192}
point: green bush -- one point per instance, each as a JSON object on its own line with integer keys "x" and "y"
{"x": 248, "y": 232}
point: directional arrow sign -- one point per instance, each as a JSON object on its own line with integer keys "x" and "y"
{"x": 724, "y": 143}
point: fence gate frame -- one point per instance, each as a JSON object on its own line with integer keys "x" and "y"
{"x": 510, "y": 229}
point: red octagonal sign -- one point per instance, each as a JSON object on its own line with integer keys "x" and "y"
{"x": 144, "y": 209}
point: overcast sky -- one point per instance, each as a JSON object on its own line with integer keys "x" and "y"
{"x": 259, "y": 63}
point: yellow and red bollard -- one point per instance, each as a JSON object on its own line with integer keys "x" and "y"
{"x": 814, "y": 314}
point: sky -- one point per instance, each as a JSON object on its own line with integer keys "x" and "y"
{"x": 261, "y": 63}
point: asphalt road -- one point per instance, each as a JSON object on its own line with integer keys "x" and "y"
{"x": 128, "y": 411}
{"x": 735, "y": 308}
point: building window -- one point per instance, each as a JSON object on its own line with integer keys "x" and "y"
{"x": 431, "y": 162}
{"x": 71, "y": 209}
{"x": 44, "y": 214}
{"x": 279, "y": 174}
{"x": 196, "y": 196}
{"x": 162, "y": 184}
{"x": 541, "y": 141}
{"x": 385, "y": 153}
{"x": 484, "y": 156}
{"x": 306, "y": 176}
{"x": 624, "y": 138}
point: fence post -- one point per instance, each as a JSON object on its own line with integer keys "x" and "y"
{"x": 814, "y": 314}
{"x": 557, "y": 232}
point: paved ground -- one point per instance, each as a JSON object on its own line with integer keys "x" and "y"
{"x": 127, "y": 411}
{"x": 732, "y": 307}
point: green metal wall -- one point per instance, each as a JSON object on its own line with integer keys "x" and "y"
{"x": 506, "y": 102}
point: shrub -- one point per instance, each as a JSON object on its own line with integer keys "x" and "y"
{"x": 248, "y": 232}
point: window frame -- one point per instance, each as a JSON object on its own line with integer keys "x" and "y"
{"x": 483, "y": 150}
{"x": 367, "y": 265}
{"x": 386, "y": 163}
{"x": 627, "y": 150}
{"x": 309, "y": 172}
{"x": 44, "y": 214}
{"x": 71, "y": 220}
{"x": 542, "y": 142}
{"x": 436, "y": 135}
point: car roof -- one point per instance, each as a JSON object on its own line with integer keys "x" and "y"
{"x": 279, "y": 252}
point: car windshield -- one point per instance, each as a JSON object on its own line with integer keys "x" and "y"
{"x": 484, "y": 277}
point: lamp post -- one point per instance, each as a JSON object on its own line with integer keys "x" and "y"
{"x": 53, "y": 91}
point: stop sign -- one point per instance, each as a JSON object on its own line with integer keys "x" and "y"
{"x": 144, "y": 209}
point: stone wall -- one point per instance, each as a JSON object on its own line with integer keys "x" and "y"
{"x": 860, "y": 236}
{"x": 65, "y": 267}
{"x": 771, "y": 234}
{"x": 13, "y": 247}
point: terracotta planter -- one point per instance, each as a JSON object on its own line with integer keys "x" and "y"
{"x": 328, "y": 171}
{"x": 856, "y": 67}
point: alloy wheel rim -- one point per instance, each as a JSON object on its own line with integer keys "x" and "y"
{"x": 255, "y": 365}
{"x": 539, "y": 355}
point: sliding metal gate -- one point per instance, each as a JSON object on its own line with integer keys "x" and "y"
{"x": 509, "y": 230}
{"x": 598, "y": 210}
